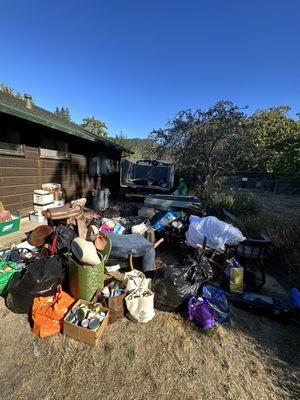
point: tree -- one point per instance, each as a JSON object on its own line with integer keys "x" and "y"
{"x": 273, "y": 141}
{"x": 121, "y": 140}
{"x": 136, "y": 145}
{"x": 8, "y": 90}
{"x": 201, "y": 143}
{"x": 95, "y": 126}
{"x": 63, "y": 112}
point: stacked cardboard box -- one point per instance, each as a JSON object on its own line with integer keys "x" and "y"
{"x": 48, "y": 197}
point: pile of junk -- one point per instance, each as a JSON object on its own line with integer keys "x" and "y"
{"x": 77, "y": 275}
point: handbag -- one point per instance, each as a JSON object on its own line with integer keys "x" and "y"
{"x": 100, "y": 241}
{"x": 136, "y": 279}
{"x": 48, "y": 313}
{"x": 140, "y": 305}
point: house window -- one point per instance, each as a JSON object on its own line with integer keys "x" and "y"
{"x": 52, "y": 148}
{"x": 10, "y": 142}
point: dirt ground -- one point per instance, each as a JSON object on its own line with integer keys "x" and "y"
{"x": 168, "y": 358}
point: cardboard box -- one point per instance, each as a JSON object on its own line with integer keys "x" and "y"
{"x": 34, "y": 216}
{"x": 10, "y": 226}
{"x": 42, "y": 197}
{"x": 39, "y": 208}
{"x": 59, "y": 203}
{"x": 83, "y": 334}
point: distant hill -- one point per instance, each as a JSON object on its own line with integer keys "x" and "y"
{"x": 138, "y": 146}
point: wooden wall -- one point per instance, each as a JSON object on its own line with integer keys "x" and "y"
{"x": 21, "y": 175}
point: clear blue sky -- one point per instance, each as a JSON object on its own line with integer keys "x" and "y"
{"x": 135, "y": 63}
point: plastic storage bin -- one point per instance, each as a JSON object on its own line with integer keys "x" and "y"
{"x": 10, "y": 226}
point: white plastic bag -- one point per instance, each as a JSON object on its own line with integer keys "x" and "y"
{"x": 140, "y": 305}
{"x": 218, "y": 233}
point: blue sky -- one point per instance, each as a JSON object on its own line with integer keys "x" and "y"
{"x": 135, "y": 63}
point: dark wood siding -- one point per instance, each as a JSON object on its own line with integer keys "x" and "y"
{"x": 21, "y": 175}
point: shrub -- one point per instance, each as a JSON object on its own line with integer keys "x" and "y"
{"x": 238, "y": 203}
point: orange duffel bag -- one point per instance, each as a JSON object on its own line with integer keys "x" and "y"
{"x": 48, "y": 313}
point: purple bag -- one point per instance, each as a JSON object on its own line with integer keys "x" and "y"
{"x": 201, "y": 312}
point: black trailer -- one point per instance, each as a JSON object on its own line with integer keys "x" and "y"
{"x": 139, "y": 178}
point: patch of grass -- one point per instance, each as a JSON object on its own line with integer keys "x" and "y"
{"x": 192, "y": 372}
{"x": 226, "y": 387}
{"x": 108, "y": 348}
{"x": 211, "y": 332}
{"x": 131, "y": 354}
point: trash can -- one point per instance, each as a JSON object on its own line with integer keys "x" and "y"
{"x": 100, "y": 199}
{"x": 84, "y": 280}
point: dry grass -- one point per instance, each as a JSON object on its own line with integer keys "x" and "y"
{"x": 168, "y": 358}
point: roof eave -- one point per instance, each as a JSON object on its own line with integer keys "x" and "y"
{"x": 54, "y": 125}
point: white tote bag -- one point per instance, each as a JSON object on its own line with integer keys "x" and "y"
{"x": 140, "y": 305}
{"x": 136, "y": 279}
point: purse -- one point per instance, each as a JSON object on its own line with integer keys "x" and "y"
{"x": 100, "y": 241}
{"x": 140, "y": 305}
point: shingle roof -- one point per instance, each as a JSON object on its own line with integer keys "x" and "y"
{"x": 17, "y": 107}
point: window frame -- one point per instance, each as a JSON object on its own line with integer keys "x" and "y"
{"x": 57, "y": 151}
{"x": 18, "y": 153}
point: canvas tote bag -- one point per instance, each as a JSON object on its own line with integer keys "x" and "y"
{"x": 140, "y": 305}
{"x": 136, "y": 279}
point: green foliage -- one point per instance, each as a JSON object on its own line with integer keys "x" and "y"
{"x": 108, "y": 348}
{"x": 206, "y": 145}
{"x": 202, "y": 142}
{"x": 63, "y": 112}
{"x": 272, "y": 142}
{"x": 123, "y": 141}
{"x": 192, "y": 372}
{"x": 95, "y": 126}
{"x": 237, "y": 203}
{"x": 8, "y": 90}
{"x": 140, "y": 147}
{"x": 131, "y": 354}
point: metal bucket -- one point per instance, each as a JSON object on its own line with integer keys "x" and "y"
{"x": 100, "y": 199}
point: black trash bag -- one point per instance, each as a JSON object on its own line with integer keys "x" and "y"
{"x": 39, "y": 278}
{"x": 173, "y": 284}
{"x": 65, "y": 235}
{"x": 21, "y": 255}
